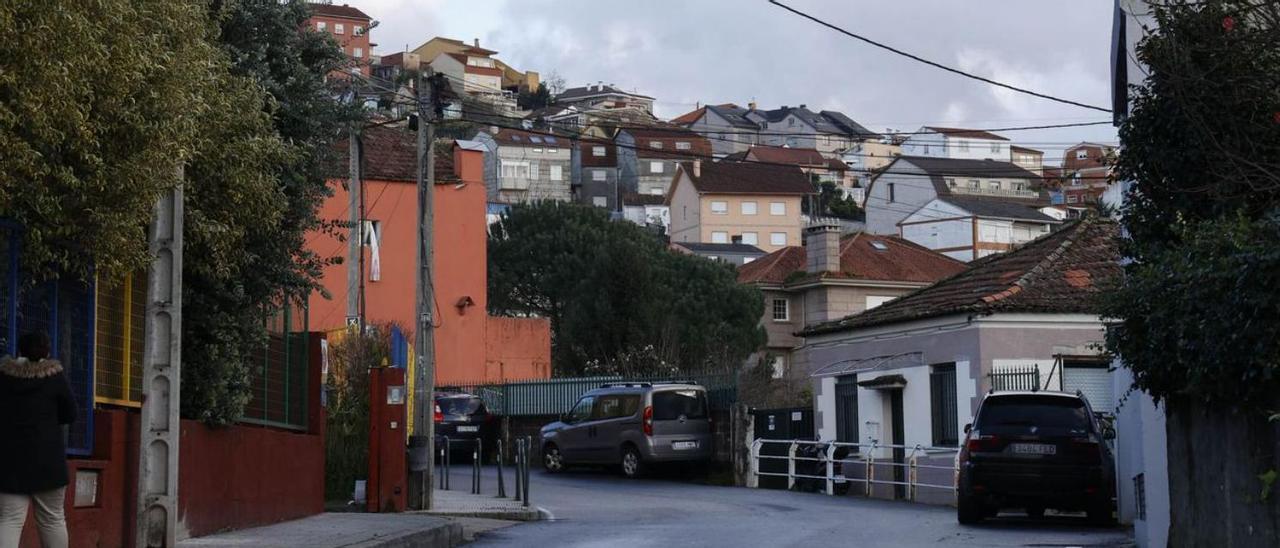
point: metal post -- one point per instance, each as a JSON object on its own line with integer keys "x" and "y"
{"x": 791, "y": 466}
{"x": 871, "y": 468}
{"x": 441, "y": 466}
{"x": 911, "y": 477}
{"x": 161, "y": 378}
{"x": 502, "y": 488}
{"x": 424, "y": 341}
{"x": 448, "y": 456}
{"x": 475, "y": 469}
{"x": 528, "y": 444}
{"x": 519, "y": 456}
{"x": 831, "y": 469}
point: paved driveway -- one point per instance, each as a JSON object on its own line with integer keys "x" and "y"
{"x": 600, "y": 509}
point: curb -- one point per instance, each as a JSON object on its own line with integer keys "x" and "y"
{"x": 446, "y": 535}
{"x": 531, "y": 514}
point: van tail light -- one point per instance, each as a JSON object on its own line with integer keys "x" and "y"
{"x": 983, "y": 444}
{"x": 439, "y": 416}
{"x": 1087, "y": 449}
{"x": 648, "y": 421}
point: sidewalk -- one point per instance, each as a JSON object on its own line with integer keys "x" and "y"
{"x": 345, "y": 530}
{"x": 459, "y": 502}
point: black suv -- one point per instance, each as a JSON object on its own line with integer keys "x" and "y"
{"x": 464, "y": 419}
{"x": 1035, "y": 450}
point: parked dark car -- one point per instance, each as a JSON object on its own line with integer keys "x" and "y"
{"x": 1035, "y": 450}
{"x": 464, "y": 420}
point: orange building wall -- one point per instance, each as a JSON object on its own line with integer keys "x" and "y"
{"x": 460, "y": 270}
{"x": 517, "y": 348}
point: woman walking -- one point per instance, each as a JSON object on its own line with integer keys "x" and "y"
{"x": 35, "y": 404}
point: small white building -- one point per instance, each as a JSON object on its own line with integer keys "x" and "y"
{"x": 968, "y": 228}
{"x": 911, "y": 182}
{"x": 968, "y": 144}
{"x": 522, "y": 166}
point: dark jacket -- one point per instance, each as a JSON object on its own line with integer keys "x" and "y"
{"x": 35, "y": 402}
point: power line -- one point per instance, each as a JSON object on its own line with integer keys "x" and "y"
{"x": 934, "y": 63}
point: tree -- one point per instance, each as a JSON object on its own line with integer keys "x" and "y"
{"x": 536, "y": 99}
{"x": 255, "y": 257}
{"x": 829, "y": 200}
{"x": 1198, "y": 307}
{"x": 616, "y": 297}
{"x": 555, "y": 83}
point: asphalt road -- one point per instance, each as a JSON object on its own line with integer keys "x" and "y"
{"x": 599, "y": 509}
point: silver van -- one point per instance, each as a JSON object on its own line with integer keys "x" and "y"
{"x": 631, "y": 425}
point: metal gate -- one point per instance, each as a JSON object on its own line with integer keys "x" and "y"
{"x": 780, "y": 424}
{"x": 1092, "y": 380}
{"x": 847, "y": 409}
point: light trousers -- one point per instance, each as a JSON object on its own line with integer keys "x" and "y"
{"x": 50, "y": 520}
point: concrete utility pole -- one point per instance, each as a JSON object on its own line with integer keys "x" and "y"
{"x": 422, "y": 442}
{"x": 161, "y": 378}
{"x": 354, "y": 236}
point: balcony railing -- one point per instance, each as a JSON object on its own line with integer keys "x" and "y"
{"x": 1000, "y": 192}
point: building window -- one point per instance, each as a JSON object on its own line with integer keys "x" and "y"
{"x": 963, "y": 145}
{"x": 951, "y": 182}
{"x": 553, "y": 151}
{"x": 975, "y": 184}
{"x": 847, "y": 409}
{"x": 719, "y": 237}
{"x": 926, "y": 150}
{"x": 597, "y": 151}
{"x": 338, "y": 28}
{"x": 719, "y": 207}
{"x": 514, "y": 170}
{"x": 600, "y": 201}
{"x": 777, "y": 208}
{"x": 656, "y": 191}
{"x": 598, "y": 175}
{"x": 781, "y": 310}
{"x": 655, "y": 167}
{"x": 655, "y": 144}
{"x": 1082, "y": 154}
{"x": 995, "y": 147}
{"x": 358, "y": 53}
{"x": 779, "y": 366}
{"x": 892, "y": 193}
{"x": 942, "y": 385}
{"x": 778, "y": 238}
{"x": 537, "y": 151}
{"x": 533, "y": 169}
{"x": 1019, "y": 186}
{"x": 993, "y": 185}
{"x": 683, "y": 145}
{"x": 357, "y": 30}
{"x": 748, "y": 208}
{"x": 556, "y": 173}
{"x": 750, "y": 238}
{"x": 1071, "y": 198}
{"x": 322, "y": 26}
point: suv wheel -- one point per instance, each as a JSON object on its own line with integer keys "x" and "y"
{"x": 552, "y": 460}
{"x": 969, "y": 511}
{"x": 632, "y": 464}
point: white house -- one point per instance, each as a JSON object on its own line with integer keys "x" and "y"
{"x": 912, "y": 371}
{"x": 968, "y": 228}
{"x": 911, "y": 182}
{"x": 522, "y": 166}
{"x": 946, "y": 142}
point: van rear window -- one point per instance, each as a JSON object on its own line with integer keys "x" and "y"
{"x": 670, "y": 404}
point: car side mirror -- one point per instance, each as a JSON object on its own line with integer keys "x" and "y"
{"x": 1108, "y": 433}
{"x": 968, "y": 427}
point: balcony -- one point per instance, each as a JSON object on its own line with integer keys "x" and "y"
{"x": 996, "y": 192}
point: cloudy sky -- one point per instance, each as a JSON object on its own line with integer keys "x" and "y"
{"x": 685, "y": 52}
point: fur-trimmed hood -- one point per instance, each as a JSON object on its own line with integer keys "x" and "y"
{"x": 23, "y": 368}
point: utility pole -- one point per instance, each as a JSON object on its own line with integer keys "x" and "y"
{"x": 422, "y": 442}
{"x": 355, "y": 253}
{"x": 157, "y": 507}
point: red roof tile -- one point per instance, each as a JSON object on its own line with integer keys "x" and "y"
{"x": 900, "y": 261}
{"x": 391, "y": 154}
{"x": 784, "y": 155}
{"x": 1058, "y": 273}
{"x": 689, "y": 117}
{"x": 667, "y": 136}
{"x": 747, "y": 178}
{"x": 331, "y": 10}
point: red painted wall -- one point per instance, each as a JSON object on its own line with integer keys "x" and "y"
{"x": 464, "y": 349}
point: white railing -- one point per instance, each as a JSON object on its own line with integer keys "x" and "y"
{"x": 862, "y": 455}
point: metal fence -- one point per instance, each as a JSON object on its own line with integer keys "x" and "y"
{"x": 864, "y": 463}
{"x": 541, "y": 397}
{"x": 279, "y": 381}
{"x": 1016, "y": 378}
{"x": 121, "y": 323}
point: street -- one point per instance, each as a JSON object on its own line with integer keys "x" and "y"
{"x": 595, "y": 508}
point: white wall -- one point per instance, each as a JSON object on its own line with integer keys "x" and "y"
{"x": 995, "y": 231}
{"x": 826, "y": 408}
{"x": 912, "y": 189}
{"x": 925, "y": 143}
{"x": 979, "y": 149}
{"x": 940, "y": 234}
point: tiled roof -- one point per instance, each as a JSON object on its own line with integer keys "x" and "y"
{"x": 331, "y": 10}
{"x": 689, "y": 117}
{"x": 593, "y": 90}
{"x": 939, "y": 169}
{"x": 970, "y": 133}
{"x": 1061, "y": 272}
{"x": 783, "y": 155}
{"x": 827, "y": 121}
{"x": 668, "y": 136}
{"x": 519, "y": 138}
{"x": 747, "y": 178}
{"x": 861, "y": 258}
{"x": 1000, "y": 209}
{"x": 468, "y": 47}
{"x": 734, "y": 114}
{"x": 703, "y": 247}
{"x": 391, "y": 154}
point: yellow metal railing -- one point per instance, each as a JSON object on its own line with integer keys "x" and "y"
{"x": 118, "y": 340}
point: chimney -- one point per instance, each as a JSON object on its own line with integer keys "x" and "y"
{"x": 697, "y": 168}
{"x": 822, "y": 246}
{"x": 475, "y": 42}
{"x": 493, "y": 130}
{"x": 751, "y": 105}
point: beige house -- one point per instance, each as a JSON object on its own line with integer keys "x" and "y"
{"x": 509, "y": 78}
{"x": 737, "y": 202}
{"x": 833, "y": 276}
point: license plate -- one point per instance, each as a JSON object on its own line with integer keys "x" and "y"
{"x": 468, "y": 428}
{"x": 684, "y": 445}
{"x": 1035, "y": 449}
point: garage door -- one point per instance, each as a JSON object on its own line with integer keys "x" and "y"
{"x": 1094, "y": 383}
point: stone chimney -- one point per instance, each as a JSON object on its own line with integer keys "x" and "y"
{"x": 475, "y": 42}
{"x": 822, "y": 246}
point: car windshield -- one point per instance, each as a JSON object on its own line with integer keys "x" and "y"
{"x": 1048, "y": 413}
{"x": 464, "y": 405}
{"x": 671, "y": 404}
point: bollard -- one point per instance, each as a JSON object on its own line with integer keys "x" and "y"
{"x": 441, "y": 467}
{"x": 448, "y": 456}
{"x": 502, "y": 488}
{"x": 528, "y": 443}
{"x": 479, "y": 467}
{"x": 516, "y": 464}
{"x": 475, "y": 456}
